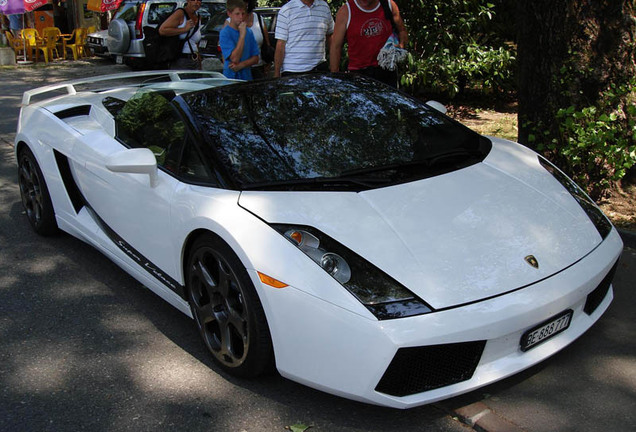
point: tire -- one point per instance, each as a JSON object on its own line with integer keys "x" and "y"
{"x": 118, "y": 39}
{"x": 227, "y": 310}
{"x": 35, "y": 195}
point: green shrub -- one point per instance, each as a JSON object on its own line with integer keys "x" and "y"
{"x": 485, "y": 69}
{"x": 455, "y": 46}
{"x": 597, "y": 144}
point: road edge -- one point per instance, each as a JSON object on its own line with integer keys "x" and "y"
{"x": 629, "y": 238}
{"x": 480, "y": 417}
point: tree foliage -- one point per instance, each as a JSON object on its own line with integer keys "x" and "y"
{"x": 576, "y": 89}
{"x": 455, "y": 46}
{"x": 596, "y": 144}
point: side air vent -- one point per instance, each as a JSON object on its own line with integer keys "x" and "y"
{"x": 596, "y": 297}
{"x": 418, "y": 369}
{"x": 82, "y": 110}
{"x": 71, "y": 187}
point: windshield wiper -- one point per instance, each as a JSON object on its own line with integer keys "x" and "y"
{"x": 459, "y": 158}
{"x": 359, "y": 179}
{"x": 320, "y": 183}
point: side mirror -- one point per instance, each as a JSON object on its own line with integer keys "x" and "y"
{"x": 134, "y": 161}
{"x": 437, "y": 106}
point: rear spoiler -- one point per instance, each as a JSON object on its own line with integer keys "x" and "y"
{"x": 142, "y": 78}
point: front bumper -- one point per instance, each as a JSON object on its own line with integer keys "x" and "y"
{"x": 98, "y": 50}
{"x": 326, "y": 347}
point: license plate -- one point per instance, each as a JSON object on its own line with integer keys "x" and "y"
{"x": 203, "y": 43}
{"x": 546, "y": 330}
{"x": 119, "y": 59}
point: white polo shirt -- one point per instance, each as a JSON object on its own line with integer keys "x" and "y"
{"x": 304, "y": 30}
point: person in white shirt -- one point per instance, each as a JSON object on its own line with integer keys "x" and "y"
{"x": 303, "y": 29}
{"x": 184, "y": 22}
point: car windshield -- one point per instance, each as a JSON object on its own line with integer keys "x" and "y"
{"x": 210, "y": 10}
{"x": 127, "y": 11}
{"x": 329, "y": 132}
{"x": 216, "y": 21}
{"x": 268, "y": 16}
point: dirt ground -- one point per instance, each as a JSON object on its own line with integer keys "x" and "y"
{"x": 619, "y": 206}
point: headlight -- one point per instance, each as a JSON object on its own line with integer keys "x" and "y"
{"x": 382, "y": 295}
{"x": 602, "y": 224}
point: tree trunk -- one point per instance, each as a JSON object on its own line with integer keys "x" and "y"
{"x": 569, "y": 51}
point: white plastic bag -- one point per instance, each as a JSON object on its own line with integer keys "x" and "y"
{"x": 391, "y": 54}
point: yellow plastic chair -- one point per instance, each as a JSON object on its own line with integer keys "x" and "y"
{"x": 84, "y": 45}
{"x": 52, "y": 36}
{"x": 16, "y": 44}
{"x": 67, "y": 40}
{"x": 76, "y": 43}
{"x": 35, "y": 44}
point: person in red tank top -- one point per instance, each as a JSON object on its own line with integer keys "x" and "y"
{"x": 364, "y": 25}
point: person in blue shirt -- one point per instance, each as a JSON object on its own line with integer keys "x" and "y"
{"x": 238, "y": 46}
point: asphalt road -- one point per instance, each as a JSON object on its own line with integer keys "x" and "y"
{"x": 83, "y": 346}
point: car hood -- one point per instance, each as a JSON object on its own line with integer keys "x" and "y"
{"x": 456, "y": 238}
{"x": 102, "y": 34}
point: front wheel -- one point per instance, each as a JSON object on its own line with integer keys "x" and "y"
{"x": 35, "y": 195}
{"x": 227, "y": 310}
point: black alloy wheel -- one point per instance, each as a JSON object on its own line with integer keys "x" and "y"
{"x": 226, "y": 309}
{"x": 35, "y": 195}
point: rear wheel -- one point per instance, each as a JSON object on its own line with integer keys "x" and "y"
{"x": 35, "y": 195}
{"x": 227, "y": 310}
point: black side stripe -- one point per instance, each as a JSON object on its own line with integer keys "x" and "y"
{"x": 79, "y": 201}
{"x": 136, "y": 256}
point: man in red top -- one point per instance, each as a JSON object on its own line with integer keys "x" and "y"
{"x": 365, "y": 25}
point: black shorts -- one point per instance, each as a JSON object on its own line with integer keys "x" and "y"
{"x": 376, "y": 72}
{"x": 320, "y": 67}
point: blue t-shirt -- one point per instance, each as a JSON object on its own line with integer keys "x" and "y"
{"x": 228, "y": 38}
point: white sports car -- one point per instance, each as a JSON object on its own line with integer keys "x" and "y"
{"x": 350, "y": 236}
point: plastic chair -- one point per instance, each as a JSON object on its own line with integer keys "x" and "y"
{"x": 52, "y": 37}
{"x": 84, "y": 43}
{"x": 67, "y": 40}
{"x": 35, "y": 44}
{"x": 76, "y": 43}
{"x": 16, "y": 44}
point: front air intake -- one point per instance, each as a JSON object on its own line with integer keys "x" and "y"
{"x": 418, "y": 369}
{"x": 595, "y": 298}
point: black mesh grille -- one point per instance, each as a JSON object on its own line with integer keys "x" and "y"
{"x": 596, "y": 297}
{"x": 418, "y": 369}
